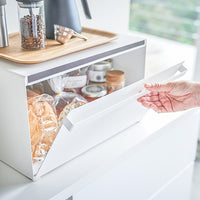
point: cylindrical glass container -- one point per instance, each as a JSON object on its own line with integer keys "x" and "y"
{"x": 93, "y": 92}
{"x": 97, "y": 71}
{"x": 115, "y": 80}
{"x": 32, "y": 24}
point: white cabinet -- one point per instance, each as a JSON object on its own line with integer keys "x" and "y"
{"x": 127, "y": 54}
{"x": 118, "y": 160}
{"x": 177, "y": 188}
{"x": 152, "y": 159}
{"x": 154, "y": 164}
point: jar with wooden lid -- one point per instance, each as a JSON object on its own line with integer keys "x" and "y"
{"x": 115, "y": 80}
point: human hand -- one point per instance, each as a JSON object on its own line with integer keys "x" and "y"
{"x": 171, "y": 97}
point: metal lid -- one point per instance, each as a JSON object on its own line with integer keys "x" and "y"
{"x": 2, "y": 2}
{"x": 101, "y": 66}
{"x": 94, "y": 91}
{"x": 29, "y": 1}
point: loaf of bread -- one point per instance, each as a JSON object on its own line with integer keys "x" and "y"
{"x": 66, "y": 102}
{"x": 43, "y": 124}
{"x": 63, "y": 112}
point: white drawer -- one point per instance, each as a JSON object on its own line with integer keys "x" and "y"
{"x": 177, "y": 188}
{"x": 95, "y": 122}
{"x": 149, "y": 168}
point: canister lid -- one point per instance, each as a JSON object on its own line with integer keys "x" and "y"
{"x": 102, "y": 66}
{"x": 2, "y": 2}
{"x": 115, "y": 76}
{"x": 94, "y": 91}
{"x": 29, "y": 1}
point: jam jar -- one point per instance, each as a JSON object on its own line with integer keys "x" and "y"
{"x": 93, "y": 92}
{"x": 115, "y": 80}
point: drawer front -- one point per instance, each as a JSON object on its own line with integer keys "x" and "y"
{"x": 149, "y": 168}
{"x": 177, "y": 188}
{"x": 118, "y": 100}
{"x": 95, "y": 122}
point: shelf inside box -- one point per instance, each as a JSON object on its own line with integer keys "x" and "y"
{"x": 54, "y": 49}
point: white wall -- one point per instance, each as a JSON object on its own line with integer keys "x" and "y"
{"x": 111, "y": 15}
{"x": 12, "y": 16}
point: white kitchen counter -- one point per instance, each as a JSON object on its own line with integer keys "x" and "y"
{"x": 70, "y": 178}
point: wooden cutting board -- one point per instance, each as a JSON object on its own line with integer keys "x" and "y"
{"x": 15, "y": 53}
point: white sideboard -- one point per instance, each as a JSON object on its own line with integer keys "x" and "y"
{"x": 151, "y": 160}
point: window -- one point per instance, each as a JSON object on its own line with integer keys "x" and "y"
{"x": 172, "y": 19}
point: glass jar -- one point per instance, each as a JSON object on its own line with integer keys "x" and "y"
{"x": 93, "y": 92}
{"x": 97, "y": 71}
{"x": 75, "y": 80}
{"x": 32, "y": 24}
{"x": 115, "y": 80}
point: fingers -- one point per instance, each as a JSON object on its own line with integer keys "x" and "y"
{"x": 158, "y": 98}
{"x": 152, "y": 96}
{"x": 159, "y": 87}
{"x": 160, "y": 102}
{"x": 151, "y": 102}
{"x": 155, "y": 106}
{"x": 148, "y": 98}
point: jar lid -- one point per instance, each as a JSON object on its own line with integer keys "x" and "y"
{"x": 29, "y": 1}
{"x": 102, "y": 66}
{"x": 2, "y": 2}
{"x": 94, "y": 91}
{"x": 115, "y": 76}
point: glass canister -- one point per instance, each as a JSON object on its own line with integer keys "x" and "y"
{"x": 93, "y": 92}
{"x": 32, "y": 24}
{"x": 97, "y": 71}
{"x": 115, "y": 80}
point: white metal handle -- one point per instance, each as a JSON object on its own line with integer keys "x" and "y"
{"x": 181, "y": 71}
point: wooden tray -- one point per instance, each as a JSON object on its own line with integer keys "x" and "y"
{"x": 53, "y": 49}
